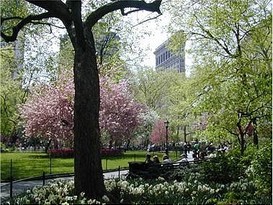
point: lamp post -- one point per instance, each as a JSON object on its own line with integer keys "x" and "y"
{"x": 167, "y": 141}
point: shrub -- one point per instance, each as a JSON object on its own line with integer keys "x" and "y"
{"x": 55, "y": 192}
{"x": 260, "y": 170}
{"x": 159, "y": 191}
{"x": 244, "y": 192}
{"x": 61, "y": 153}
{"x": 223, "y": 169}
{"x": 106, "y": 152}
{"x": 3, "y": 147}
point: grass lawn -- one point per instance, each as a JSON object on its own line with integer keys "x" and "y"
{"x": 32, "y": 164}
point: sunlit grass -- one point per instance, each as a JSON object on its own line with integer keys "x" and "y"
{"x": 32, "y": 164}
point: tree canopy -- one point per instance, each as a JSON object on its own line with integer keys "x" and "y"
{"x": 231, "y": 78}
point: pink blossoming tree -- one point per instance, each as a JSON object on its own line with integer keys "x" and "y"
{"x": 49, "y": 111}
{"x": 119, "y": 113}
{"x": 158, "y": 135}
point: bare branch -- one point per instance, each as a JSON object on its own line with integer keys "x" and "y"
{"x": 230, "y": 131}
{"x": 149, "y": 19}
{"x": 93, "y": 18}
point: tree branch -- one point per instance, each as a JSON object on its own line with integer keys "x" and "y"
{"x": 58, "y": 8}
{"x": 230, "y": 131}
{"x": 93, "y": 18}
{"x": 22, "y": 23}
{"x": 3, "y": 19}
{"x": 149, "y": 19}
{"x": 75, "y": 8}
{"x": 209, "y": 35}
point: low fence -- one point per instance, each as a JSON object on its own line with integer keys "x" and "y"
{"x": 44, "y": 173}
{"x": 51, "y": 165}
{"x": 15, "y": 187}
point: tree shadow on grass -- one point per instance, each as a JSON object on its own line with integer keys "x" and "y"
{"x": 39, "y": 156}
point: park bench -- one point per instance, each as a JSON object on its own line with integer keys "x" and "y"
{"x": 152, "y": 171}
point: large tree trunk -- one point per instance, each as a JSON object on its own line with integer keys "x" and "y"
{"x": 87, "y": 162}
{"x": 88, "y": 169}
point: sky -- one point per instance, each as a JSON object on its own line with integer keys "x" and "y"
{"x": 156, "y": 32}
{"x": 153, "y": 33}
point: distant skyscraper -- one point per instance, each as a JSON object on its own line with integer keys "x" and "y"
{"x": 18, "y": 50}
{"x": 166, "y": 60}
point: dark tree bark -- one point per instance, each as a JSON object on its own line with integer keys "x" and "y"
{"x": 87, "y": 166}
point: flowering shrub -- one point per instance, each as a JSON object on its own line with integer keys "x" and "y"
{"x": 49, "y": 110}
{"x": 223, "y": 169}
{"x": 106, "y": 152}
{"x": 244, "y": 191}
{"x": 55, "y": 192}
{"x": 161, "y": 191}
{"x": 158, "y": 191}
{"x": 61, "y": 153}
{"x": 190, "y": 187}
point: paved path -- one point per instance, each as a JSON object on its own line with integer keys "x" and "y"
{"x": 19, "y": 187}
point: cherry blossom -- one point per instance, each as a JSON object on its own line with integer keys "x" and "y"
{"x": 48, "y": 111}
{"x": 119, "y": 113}
{"x": 158, "y": 135}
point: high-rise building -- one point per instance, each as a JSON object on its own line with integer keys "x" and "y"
{"x": 167, "y": 60}
{"x": 17, "y": 47}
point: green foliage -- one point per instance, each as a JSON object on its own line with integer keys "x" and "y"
{"x": 12, "y": 8}
{"x": 11, "y": 93}
{"x": 108, "y": 46}
{"x": 231, "y": 167}
{"x": 260, "y": 170}
{"x": 223, "y": 169}
{"x": 232, "y": 70}
{"x": 3, "y": 147}
{"x": 177, "y": 41}
{"x": 154, "y": 89}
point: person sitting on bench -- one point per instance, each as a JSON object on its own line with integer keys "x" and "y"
{"x": 148, "y": 159}
{"x": 166, "y": 159}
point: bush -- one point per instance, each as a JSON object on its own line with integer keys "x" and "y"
{"x": 260, "y": 170}
{"x": 106, "y": 152}
{"x": 55, "y": 192}
{"x": 3, "y": 147}
{"x": 158, "y": 191}
{"x": 192, "y": 185}
{"x": 61, "y": 153}
{"x": 223, "y": 169}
